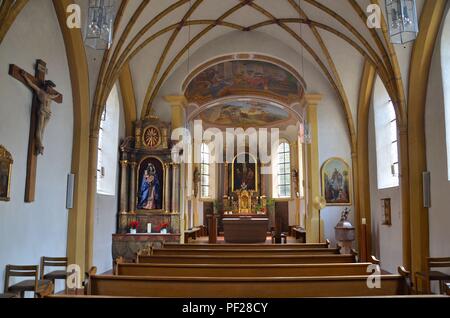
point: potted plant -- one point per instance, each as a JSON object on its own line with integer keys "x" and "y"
{"x": 218, "y": 206}
{"x": 133, "y": 227}
{"x": 164, "y": 228}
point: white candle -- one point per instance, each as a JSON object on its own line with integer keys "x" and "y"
{"x": 149, "y": 228}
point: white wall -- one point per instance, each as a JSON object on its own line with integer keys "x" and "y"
{"x": 106, "y": 209}
{"x": 386, "y": 240}
{"x": 333, "y": 142}
{"x": 439, "y": 216}
{"x": 29, "y": 231}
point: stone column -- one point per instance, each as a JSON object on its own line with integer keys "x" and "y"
{"x": 262, "y": 191}
{"x": 124, "y": 186}
{"x": 123, "y": 219}
{"x": 133, "y": 190}
{"x": 226, "y": 192}
{"x": 167, "y": 187}
{"x": 312, "y": 221}
{"x": 175, "y": 188}
{"x": 177, "y": 104}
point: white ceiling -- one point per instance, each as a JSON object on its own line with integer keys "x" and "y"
{"x": 341, "y": 64}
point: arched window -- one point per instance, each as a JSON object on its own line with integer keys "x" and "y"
{"x": 284, "y": 171}
{"x": 108, "y": 142}
{"x": 445, "y": 62}
{"x": 387, "y": 145}
{"x": 205, "y": 172}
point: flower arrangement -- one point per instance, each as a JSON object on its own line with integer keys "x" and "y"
{"x": 163, "y": 228}
{"x": 134, "y": 225}
{"x": 164, "y": 225}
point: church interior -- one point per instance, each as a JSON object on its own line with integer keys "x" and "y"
{"x": 233, "y": 148}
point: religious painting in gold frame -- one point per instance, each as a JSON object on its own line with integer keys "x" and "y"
{"x": 244, "y": 173}
{"x": 150, "y": 187}
{"x": 386, "y": 218}
{"x": 336, "y": 182}
{"x": 6, "y": 162}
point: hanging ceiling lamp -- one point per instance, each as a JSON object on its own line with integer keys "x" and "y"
{"x": 100, "y": 22}
{"x": 402, "y": 20}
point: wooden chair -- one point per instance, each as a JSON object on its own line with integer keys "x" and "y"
{"x": 430, "y": 275}
{"x": 31, "y": 285}
{"x": 53, "y": 262}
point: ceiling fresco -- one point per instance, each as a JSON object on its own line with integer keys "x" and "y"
{"x": 242, "y": 77}
{"x": 244, "y": 113}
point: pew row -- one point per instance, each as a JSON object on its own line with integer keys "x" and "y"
{"x": 240, "y": 287}
{"x": 166, "y": 251}
{"x": 255, "y": 270}
{"x": 248, "y": 246}
{"x": 247, "y": 259}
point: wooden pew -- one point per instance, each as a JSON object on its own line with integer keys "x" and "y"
{"x": 249, "y": 246}
{"x": 252, "y": 270}
{"x": 240, "y": 287}
{"x": 273, "y": 259}
{"x": 244, "y": 252}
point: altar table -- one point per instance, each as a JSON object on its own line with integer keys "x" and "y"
{"x": 245, "y": 229}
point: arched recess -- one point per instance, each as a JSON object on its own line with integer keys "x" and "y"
{"x": 76, "y": 57}
{"x": 430, "y": 22}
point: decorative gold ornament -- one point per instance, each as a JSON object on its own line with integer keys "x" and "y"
{"x": 151, "y": 137}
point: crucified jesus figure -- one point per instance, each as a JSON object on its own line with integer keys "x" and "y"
{"x": 45, "y": 98}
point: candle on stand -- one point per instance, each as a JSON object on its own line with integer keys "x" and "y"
{"x": 149, "y": 228}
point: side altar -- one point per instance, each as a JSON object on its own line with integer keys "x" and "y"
{"x": 149, "y": 190}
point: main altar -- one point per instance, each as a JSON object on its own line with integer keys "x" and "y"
{"x": 149, "y": 190}
{"x": 245, "y": 218}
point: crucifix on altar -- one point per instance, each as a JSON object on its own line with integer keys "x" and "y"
{"x": 43, "y": 94}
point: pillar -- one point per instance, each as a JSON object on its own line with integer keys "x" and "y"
{"x": 166, "y": 188}
{"x": 175, "y": 199}
{"x": 123, "y": 196}
{"x": 177, "y": 104}
{"x": 133, "y": 184}
{"x": 312, "y": 220}
{"x": 124, "y": 186}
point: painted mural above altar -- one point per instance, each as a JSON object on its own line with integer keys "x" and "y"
{"x": 244, "y": 113}
{"x": 240, "y": 78}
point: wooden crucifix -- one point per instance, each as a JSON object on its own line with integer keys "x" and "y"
{"x": 43, "y": 94}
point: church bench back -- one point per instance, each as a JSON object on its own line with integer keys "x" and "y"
{"x": 243, "y": 252}
{"x": 214, "y": 287}
{"x": 247, "y": 246}
{"x": 255, "y": 270}
{"x": 247, "y": 259}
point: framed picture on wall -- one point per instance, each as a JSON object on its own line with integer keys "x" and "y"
{"x": 386, "y": 211}
{"x": 6, "y": 162}
{"x": 336, "y": 182}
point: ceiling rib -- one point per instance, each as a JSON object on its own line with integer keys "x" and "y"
{"x": 167, "y": 49}
{"x": 387, "y": 64}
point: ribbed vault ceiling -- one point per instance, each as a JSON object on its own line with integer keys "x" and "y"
{"x": 332, "y": 34}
